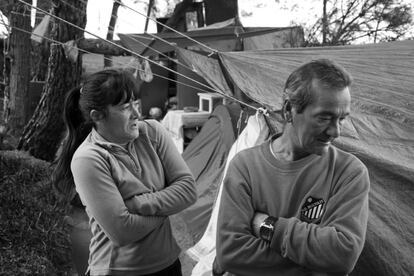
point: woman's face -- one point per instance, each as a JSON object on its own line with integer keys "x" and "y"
{"x": 120, "y": 124}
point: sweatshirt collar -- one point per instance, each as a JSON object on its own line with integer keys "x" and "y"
{"x": 285, "y": 165}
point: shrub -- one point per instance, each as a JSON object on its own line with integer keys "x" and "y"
{"x": 33, "y": 237}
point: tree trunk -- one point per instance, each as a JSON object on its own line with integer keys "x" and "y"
{"x": 40, "y": 51}
{"x": 324, "y": 23}
{"x": 111, "y": 28}
{"x": 43, "y": 133}
{"x": 16, "y": 104}
{"x": 150, "y": 6}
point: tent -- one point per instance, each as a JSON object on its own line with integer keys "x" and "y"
{"x": 379, "y": 131}
{"x": 255, "y": 132}
{"x": 206, "y": 157}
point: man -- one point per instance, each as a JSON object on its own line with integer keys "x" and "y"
{"x": 297, "y": 205}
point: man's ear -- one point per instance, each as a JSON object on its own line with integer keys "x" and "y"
{"x": 287, "y": 111}
{"x": 96, "y": 115}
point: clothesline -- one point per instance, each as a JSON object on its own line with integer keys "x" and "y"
{"x": 106, "y": 58}
{"x": 117, "y": 45}
{"x": 146, "y": 58}
{"x": 168, "y": 27}
{"x": 133, "y": 38}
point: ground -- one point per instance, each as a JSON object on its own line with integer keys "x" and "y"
{"x": 185, "y": 241}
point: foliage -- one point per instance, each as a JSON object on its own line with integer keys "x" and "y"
{"x": 165, "y": 8}
{"x": 161, "y": 8}
{"x": 357, "y": 20}
{"x": 33, "y": 239}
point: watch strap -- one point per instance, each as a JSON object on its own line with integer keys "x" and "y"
{"x": 267, "y": 228}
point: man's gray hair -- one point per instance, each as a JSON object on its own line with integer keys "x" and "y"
{"x": 298, "y": 86}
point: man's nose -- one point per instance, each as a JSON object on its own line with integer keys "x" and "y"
{"x": 334, "y": 129}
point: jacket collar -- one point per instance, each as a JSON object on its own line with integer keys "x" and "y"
{"x": 97, "y": 139}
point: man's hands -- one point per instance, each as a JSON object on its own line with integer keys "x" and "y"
{"x": 257, "y": 220}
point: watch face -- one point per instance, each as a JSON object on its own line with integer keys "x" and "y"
{"x": 267, "y": 228}
{"x": 266, "y": 231}
{"x": 272, "y": 227}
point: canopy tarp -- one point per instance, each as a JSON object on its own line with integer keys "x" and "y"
{"x": 152, "y": 44}
{"x": 379, "y": 131}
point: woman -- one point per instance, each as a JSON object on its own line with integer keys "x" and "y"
{"x": 127, "y": 173}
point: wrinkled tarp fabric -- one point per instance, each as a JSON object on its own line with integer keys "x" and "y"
{"x": 206, "y": 157}
{"x": 379, "y": 131}
{"x": 255, "y": 132}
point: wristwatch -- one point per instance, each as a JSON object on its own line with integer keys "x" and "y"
{"x": 267, "y": 228}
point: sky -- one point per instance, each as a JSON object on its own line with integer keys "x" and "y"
{"x": 253, "y": 13}
{"x": 129, "y": 21}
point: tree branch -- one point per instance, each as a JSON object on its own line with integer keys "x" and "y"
{"x": 99, "y": 46}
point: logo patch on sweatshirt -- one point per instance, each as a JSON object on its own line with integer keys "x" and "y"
{"x": 312, "y": 209}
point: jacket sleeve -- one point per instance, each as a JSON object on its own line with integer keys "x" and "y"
{"x": 238, "y": 250}
{"x": 335, "y": 246}
{"x": 179, "y": 192}
{"x": 104, "y": 202}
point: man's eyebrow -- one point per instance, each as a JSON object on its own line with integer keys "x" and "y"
{"x": 330, "y": 113}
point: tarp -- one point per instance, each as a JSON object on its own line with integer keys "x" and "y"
{"x": 204, "y": 251}
{"x": 379, "y": 131}
{"x": 206, "y": 157}
{"x": 150, "y": 44}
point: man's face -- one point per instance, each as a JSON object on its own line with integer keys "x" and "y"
{"x": 120, "y": 124}
{"x": 320, "y": 122}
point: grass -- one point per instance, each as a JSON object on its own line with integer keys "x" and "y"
{"x": 33, "y": 237}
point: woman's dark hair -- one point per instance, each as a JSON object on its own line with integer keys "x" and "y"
{"x": 298, "y": 86}
{"x": 99, "y": 90}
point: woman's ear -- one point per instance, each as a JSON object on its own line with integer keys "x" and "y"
{"x": 96, "y": 115}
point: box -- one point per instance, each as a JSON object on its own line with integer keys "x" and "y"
{"x": 177, "y": 122}
{"x": 208, "y": 101}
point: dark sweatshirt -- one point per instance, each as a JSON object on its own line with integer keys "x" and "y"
{"x": 321, "y": 203}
